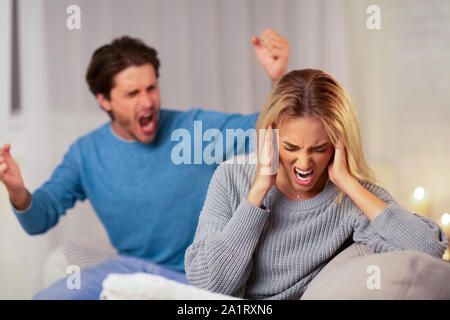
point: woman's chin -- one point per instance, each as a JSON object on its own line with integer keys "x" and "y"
{"x": 310, "y": 188}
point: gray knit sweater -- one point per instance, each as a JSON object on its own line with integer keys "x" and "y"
{"x": 245, "y": 251}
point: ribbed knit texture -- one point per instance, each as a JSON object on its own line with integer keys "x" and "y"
{"x": 249, "y": 252}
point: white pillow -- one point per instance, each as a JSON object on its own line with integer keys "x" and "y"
{"x": 144, "y": 286}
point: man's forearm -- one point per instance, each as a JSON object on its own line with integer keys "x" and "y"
{"x": 20, "y": 199}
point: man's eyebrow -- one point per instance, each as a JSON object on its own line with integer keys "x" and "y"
{"x": 315, "y": 147}
{"x": 130, "y": 91}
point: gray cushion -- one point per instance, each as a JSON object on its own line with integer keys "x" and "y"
{"x": 359, "y": 273}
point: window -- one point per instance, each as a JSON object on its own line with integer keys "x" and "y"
{"x": 15, "y": 66}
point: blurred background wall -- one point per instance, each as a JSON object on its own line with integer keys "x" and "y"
{"x": 398, "y": 77}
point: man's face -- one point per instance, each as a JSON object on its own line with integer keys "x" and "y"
{"x": 134, "y": 103}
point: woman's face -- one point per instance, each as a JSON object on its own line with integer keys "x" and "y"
{"x": 305, "y": 150}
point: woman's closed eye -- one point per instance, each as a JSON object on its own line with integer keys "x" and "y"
{"x": 292, "y": 149}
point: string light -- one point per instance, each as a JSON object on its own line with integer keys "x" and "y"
{"x": 420, "y": 202}
{"x": 445, "y": 219}
{"x": 419, "y": 193}
{"x": 446, "y": 255}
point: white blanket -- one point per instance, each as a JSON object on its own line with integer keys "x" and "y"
{"x": 144, "y": 286}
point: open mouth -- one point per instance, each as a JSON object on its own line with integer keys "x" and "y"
{"x": 303, "y": 177}
{"x": 147, "y": 123}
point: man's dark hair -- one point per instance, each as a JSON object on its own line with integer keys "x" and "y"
{"x": 110, "y": 59}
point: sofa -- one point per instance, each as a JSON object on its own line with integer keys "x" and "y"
{"x": 355, "y": 273}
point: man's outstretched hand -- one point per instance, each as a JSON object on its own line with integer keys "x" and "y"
{"x": 272, "y": 51}
{"x": 12, "y": 179}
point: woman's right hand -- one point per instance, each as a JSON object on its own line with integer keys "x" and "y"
{"x": 266, "y": 174}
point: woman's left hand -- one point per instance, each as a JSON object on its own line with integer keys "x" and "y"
{"x": 339, "y": 174}
{"x": 338, "y": 169}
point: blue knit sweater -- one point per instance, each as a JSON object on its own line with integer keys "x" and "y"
{"x": 146, "y": 199}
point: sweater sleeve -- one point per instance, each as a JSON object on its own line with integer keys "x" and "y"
{"x": 237, "y": 130}
{"x": 220, "y": 258}
{"x": 398, "y": 229}
{"x": 54, "y": 197}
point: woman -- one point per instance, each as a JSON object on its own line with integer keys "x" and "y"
{"x": 265, "y": 234}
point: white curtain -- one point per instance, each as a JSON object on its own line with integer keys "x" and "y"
{"x": 397, "y": 77}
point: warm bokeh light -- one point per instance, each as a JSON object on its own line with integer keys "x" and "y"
{"x": 419, "y": 193}
{"x": 445, "y": 219}
{"x": 446, "y": 255}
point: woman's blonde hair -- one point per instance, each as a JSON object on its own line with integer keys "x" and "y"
{"x": 310, "y": 92}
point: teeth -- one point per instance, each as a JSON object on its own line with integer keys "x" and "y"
{"x": 302, "y": 172}
{"x": 302, "y": 178}
{"x": 146, "y": 118}
{"x": 299, "y": 172}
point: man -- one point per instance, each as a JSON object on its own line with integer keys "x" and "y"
{"x": 148, "y": 204}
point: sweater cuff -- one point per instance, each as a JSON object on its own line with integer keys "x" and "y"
{"x": 19, "y": 212}
{"x": 401, "y": 226}
{"x": 392, "y": 217}
{"x": 244, "y": 229}
{"x": 34, "y": 219}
